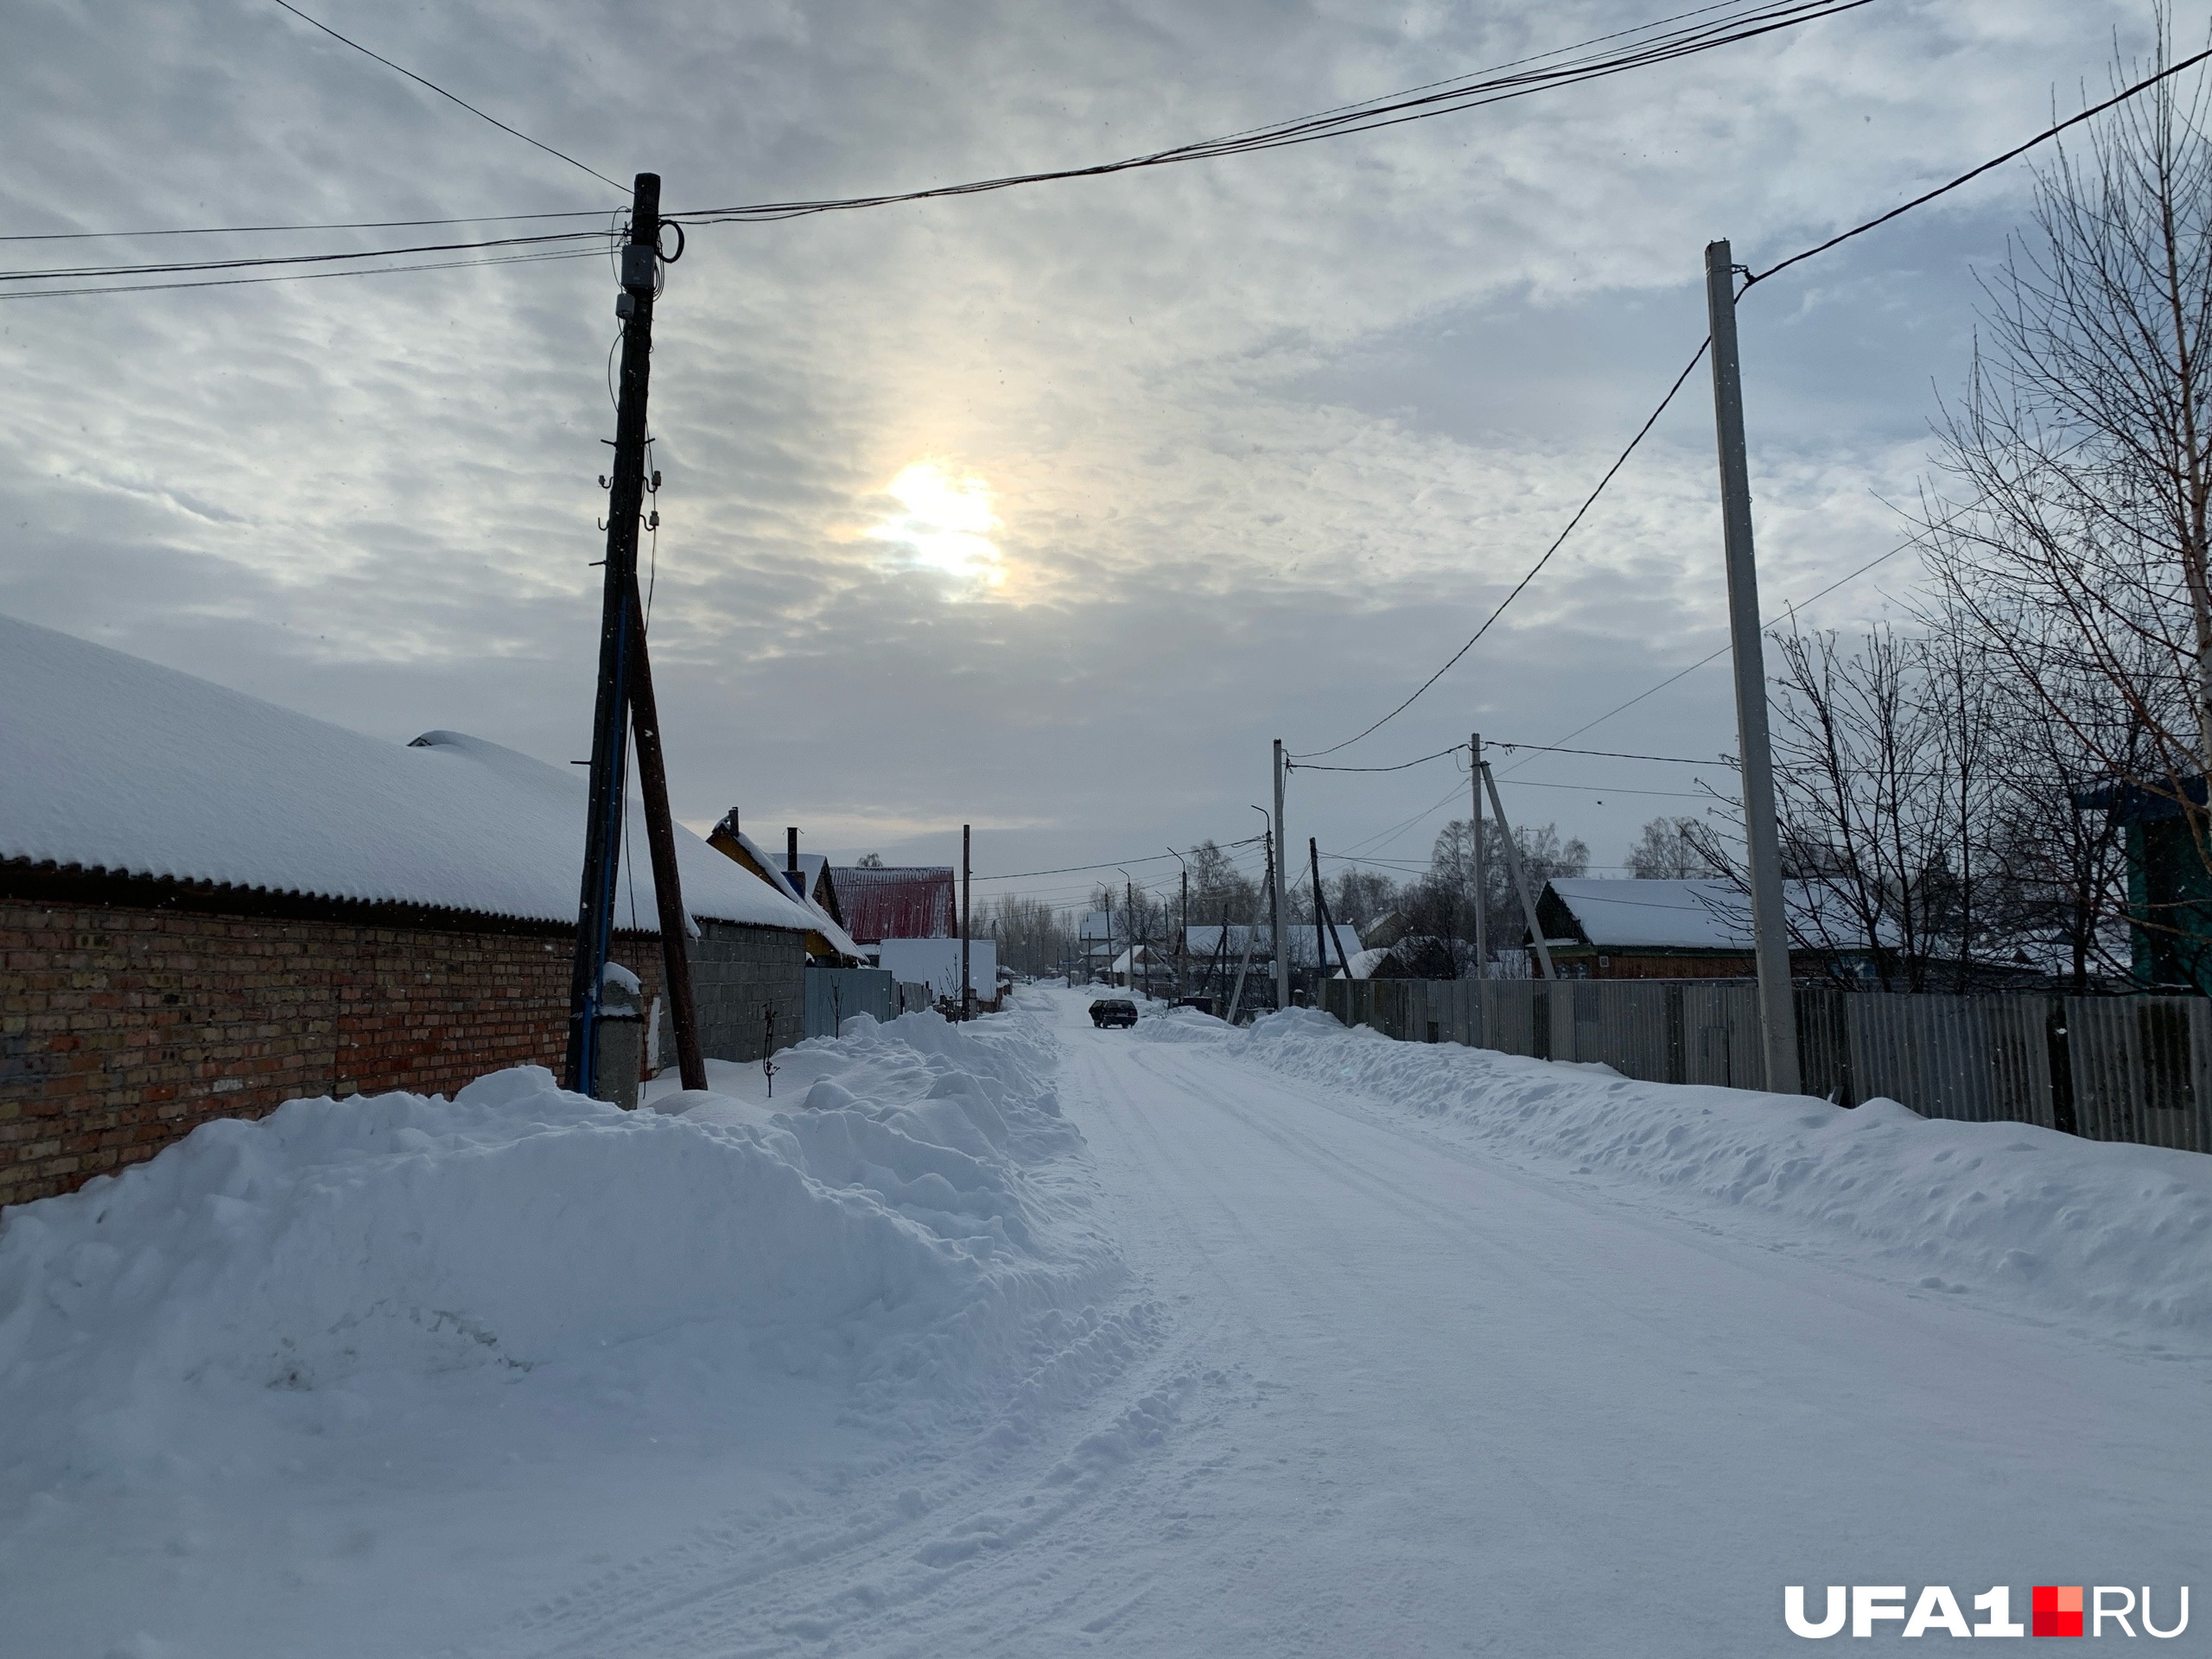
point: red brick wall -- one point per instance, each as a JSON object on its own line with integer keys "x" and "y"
{"x": 121, "y": 1029}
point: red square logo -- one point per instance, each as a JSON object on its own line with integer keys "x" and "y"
{"x": 2057, "y": 1610}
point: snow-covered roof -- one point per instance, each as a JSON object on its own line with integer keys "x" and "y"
{"x": 113, "y": 764}
{"x": 819, "y": 918}
{"x": 1201, "y": 941}
{"x": 1630, "y": 914}
{"x": 1707, "y": 914}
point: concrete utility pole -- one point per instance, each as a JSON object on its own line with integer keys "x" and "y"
{"x": 1520, "y": 875}
{"x": 1482, "y": 887}
{"x": 966, "y": 919}
{"x": 1770, "y": 925}
{"x": 1281, "y": 896}
{"x": 625, "y": 695}
{"x": 1183, "y": 935}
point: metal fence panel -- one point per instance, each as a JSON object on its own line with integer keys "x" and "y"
{"x": 836, "y": 994}
{"x": 2129, "y": 1068}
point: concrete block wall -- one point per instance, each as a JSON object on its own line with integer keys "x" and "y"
{"x": 737, "y": 972}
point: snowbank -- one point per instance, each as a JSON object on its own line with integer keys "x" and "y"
{"x": 2122, "y": 1233}
{"x": 910, "y": 1229}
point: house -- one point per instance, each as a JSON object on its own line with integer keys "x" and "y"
{"x": 1201, "y": 943}
{"x": 827, "y": 942}
{"x": 1095, "y": 936}
{"x": 1598, "y": 928}
{"x": 897, "y": 901}
{"x": 935, "y": 962}
{"x": 210, "y": 905}
{"x": 2169, "y": 886}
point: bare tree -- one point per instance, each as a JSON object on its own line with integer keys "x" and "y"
{"x": 2073, "y": 535}
{"x": 1673, "y": 849}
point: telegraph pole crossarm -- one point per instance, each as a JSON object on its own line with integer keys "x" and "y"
{"x": 1770, "y": 925}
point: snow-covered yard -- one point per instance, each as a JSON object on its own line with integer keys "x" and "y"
{"x": 1027, "y": 1338}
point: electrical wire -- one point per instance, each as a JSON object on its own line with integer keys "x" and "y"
{"x": 1558, "y": 542}
{"x": 248, "y": 230}
{"x": 1683, "y": 674}
{"x": 295, "y": 276}
{"x": 1614, "y": 754}
{"x": 1921, "y": 200}
{"x": 1110, "y": 864}
{"x": 64, "y": 273}
{"x": 1327, "y": 123}
{"x": 1665, "y": 44}
{"x": 1300, "y": 766}
{"x": 2013, "y": 154}
{"x": 441, "y": 92}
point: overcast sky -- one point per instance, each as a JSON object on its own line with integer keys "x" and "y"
{"x": 1046, "y": 509}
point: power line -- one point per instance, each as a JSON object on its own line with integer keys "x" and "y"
{"x": 1559, "y": 541}
{"x": 1437, "y": 97}
{"x": 299, "y": 275}
{"x": 1110, "y": 864}
{"x": 1613, "y": 754}
{"x": 2017, "y": 150}
{"x": 1350, "y": 117}
{"x": 351, "y": 225}
{"x": 1457, "y": 748}
{"x": 64, "y": 273}
{"x": 441, "y": 92}
{"x": 1681, "y": 674}
{"x": 1796, "y": 258}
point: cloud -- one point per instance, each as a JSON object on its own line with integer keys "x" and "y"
{"x": 1226, "y": 451}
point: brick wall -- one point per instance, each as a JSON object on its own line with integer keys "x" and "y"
{"x": 125, "y": 1025}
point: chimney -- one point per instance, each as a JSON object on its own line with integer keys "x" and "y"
{"x": 790, "y": 861}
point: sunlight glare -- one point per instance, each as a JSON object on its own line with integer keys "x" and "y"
{"x": 945, "y": 525}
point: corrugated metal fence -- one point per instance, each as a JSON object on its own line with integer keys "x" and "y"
{"x": 836, "y": 994}
{"x": 2122, "y": 1068}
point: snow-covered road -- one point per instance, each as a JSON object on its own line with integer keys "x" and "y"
{"x": 1406, "y": 1398}
{"x": 1372, "y": 1380}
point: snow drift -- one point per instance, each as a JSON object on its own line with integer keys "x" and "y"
{"x": 2121, "y": 1233}
{"x": 907, "y": 1229}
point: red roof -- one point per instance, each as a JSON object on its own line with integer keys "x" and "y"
{"x": 910, "y": 902}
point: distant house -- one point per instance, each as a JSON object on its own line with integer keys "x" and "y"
{"x": 1303, "y": 943}
{"x": 1598, "y": 928}
{"x": 882, "y": 902}
{"x": 210, "y": 905}
{"x": 1097, "y": 940}
{"x": 827, "y": 941}
{"x": 2169, "y": 886}
{"x": 935, "y": 962}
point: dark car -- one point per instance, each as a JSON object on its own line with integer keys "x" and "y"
{"x": 1112, "y": 1011}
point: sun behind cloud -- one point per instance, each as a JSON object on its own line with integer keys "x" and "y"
{"x": 945, "y": 523}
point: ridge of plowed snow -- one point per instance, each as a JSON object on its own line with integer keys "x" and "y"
{"x": 910, "y": 1231}
{"x": 2119, "y": 1232}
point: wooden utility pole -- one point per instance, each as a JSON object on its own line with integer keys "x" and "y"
{"x": 1183, "y": 937}
{"x": 1281, "y": 897}
{"x": 624, "y": 691}
{"x": 1482, "y": 887}
{"x": 1770, "y": 925}
{"x": 660, "y": 841}
{"x": 967, "y": 921}
{"x": 1324, "y": 924}
{"x": 1520, "y": 874}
